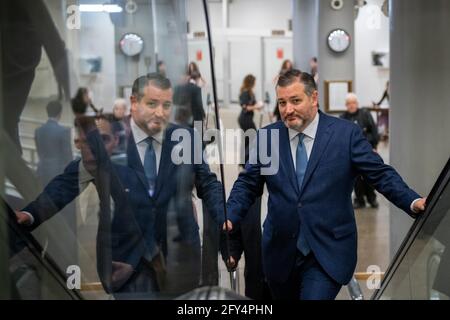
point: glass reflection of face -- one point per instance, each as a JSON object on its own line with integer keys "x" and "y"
{"x": 297, "y": 109}
{"x": 152, "y": 112}
{"x": 109, "y": 139}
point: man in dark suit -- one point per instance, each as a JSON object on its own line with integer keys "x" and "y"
{"x": 53, "y": 145}
{"x": 309, "y": 238}
{"x": 170, "y": 185}
{"x": 364, "y": 120}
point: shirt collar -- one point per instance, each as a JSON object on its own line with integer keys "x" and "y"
{"x": 83, "y": 175}
{"x": 310, "y": 131}
{"x": 139, "y": 135}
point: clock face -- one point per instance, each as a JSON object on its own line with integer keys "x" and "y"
{"x": 338, "y": 40}
{"x": 131, "y": 44}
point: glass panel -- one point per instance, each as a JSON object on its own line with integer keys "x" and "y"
{"x": 84, "y": 85}
{"x": 423, "y": 272}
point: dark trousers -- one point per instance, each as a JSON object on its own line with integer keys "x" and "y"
{"x": 143, "y": 281}
{"x": 362, "y": 188}
{"x": 308, "y": 281}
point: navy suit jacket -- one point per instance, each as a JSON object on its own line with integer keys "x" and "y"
{"x": 323, "y": 206}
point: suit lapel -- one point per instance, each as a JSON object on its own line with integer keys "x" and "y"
{"x": 322, "y": 139}
{"x": 134, "y": 161}
{"x": 165, "y": 164}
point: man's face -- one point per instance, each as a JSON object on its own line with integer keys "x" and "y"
{"x": 152, "y": 112}
{"x": 109, "y": 139}
{"x": 352, "y": 105}
{"x": 297, "y": 109}
{"x": 119, "y": 111}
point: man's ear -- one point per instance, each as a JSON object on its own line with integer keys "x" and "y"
{"x": 133, "y": 103}
{"x": 315, "y": 98}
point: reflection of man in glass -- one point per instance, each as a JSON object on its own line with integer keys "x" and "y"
{"x": 146, "y": 192}
{"x": 119, "y": 240}
{"x": 169, "y": 185}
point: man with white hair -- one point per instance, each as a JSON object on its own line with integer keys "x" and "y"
{"x": 121, "y": 125}
{"x": 364, "y": 120}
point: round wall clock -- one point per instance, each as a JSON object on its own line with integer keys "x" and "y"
{"x": 338, "y": 40}
{"x": 131, "y": 44}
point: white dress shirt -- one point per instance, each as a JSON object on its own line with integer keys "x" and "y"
{"x": 141, "y": 145}
{"x": 310, "y": 135}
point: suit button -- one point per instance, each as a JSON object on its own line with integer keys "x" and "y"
{"x": 299, "y": 205}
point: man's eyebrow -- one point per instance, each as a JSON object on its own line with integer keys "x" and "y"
{"x": 291, "y": 97}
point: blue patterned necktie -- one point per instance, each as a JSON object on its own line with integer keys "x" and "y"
{"x": 301, "y": 160}
{"x": 150, "y": 166}
{"x": 301, "y": 163}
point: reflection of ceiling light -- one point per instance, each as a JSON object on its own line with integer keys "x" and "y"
{"x": 110, "y": 8}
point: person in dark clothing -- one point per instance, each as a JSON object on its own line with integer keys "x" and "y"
{"x": 363, "y": 118}
{"x": 27, "y": 28}
{"x": 248, "y": 103}
{"x": 53, "y": 145}
{"x": 188, "y": 99}
{"x": 81, "y": 102}
{"x": 195, "y": 75}
{"x": 247, "y": 239}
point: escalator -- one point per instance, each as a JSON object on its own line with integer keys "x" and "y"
{"x": 32, "y": 274}
{"x": 421, "y": 268}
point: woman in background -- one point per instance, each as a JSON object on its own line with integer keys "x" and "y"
{"x": 248, "y": 103}
{"x": 195, "y": 75}
{"x": 82, "y": 101}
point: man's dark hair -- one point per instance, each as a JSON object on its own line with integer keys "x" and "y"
{"x": 155, "y": 79}
{"x": 54, "y": 109}
{"x": 295, "y": 75}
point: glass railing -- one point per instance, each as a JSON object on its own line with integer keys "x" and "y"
{"x": 421, "y": 268}
{"x": 102, "y": 212}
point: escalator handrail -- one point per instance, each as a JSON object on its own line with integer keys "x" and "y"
{"x": 432, "y": 199}
{"x": 38, "y": 252}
